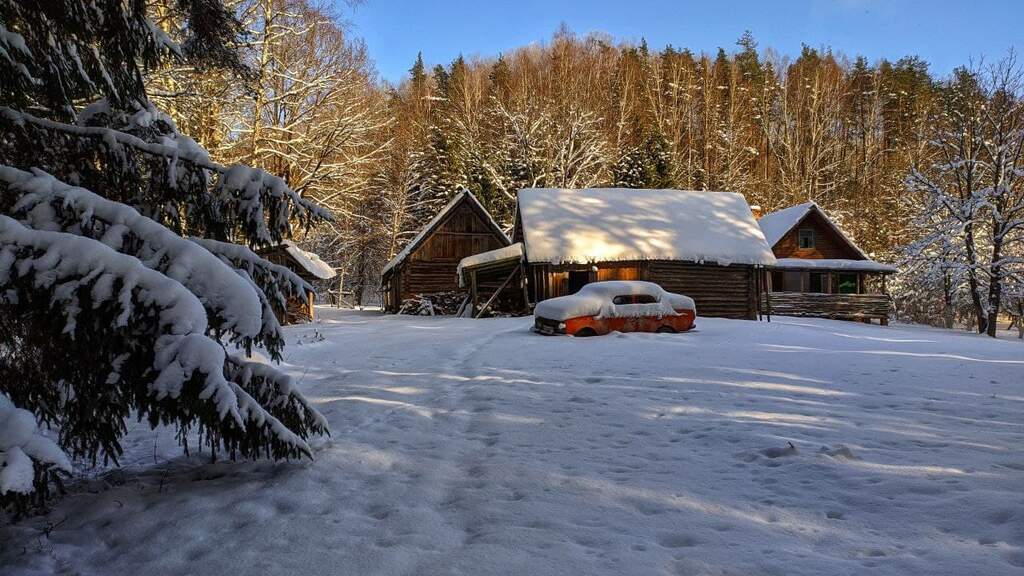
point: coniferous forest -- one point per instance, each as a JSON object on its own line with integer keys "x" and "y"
{"x": 148, "y": 148}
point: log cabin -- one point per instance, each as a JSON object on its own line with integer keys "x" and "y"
{"x": 428, "y": 263}
{"x": 820, "y": 271}
{"x": 309, "y": 267}
{"x": 706, "y": 245}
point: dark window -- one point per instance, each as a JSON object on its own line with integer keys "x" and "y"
{"x": 806, "y": 237}
{"x": 777, "y": 282}
{"x": 634, "y": 299}
{"x": 578, "y": 279}
{"x": 847, "y": 283}
{"x": 817, "y": 282}
{"x": 792, "y": 283}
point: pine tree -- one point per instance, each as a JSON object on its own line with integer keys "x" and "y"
{"x": 127, "y": 281}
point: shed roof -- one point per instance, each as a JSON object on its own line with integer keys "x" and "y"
{"x": 620, "y": 224}
{"x": 511, "y": 252}
{"x": 309, "y": 261}
{"x": 505, "y": 257}
{"x": 437, "y": 220}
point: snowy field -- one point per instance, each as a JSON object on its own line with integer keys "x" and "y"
{"x": 476, "y": 447}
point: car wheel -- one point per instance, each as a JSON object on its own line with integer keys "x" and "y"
{"x": 585, "y": 333}
{"x": 666, "y": 330}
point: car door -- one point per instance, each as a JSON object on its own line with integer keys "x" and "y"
{"x": 633, "y": 312}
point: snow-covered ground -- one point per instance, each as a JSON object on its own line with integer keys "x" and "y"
{"x": 476, "y": 447}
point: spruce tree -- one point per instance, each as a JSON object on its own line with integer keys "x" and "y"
{"x": 128, "y": 282}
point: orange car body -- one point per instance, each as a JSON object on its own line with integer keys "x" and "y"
{"x": 681, "y": 323}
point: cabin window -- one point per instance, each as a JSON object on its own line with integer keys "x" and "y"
{"x": 806, "y": 236}
{"x": 817, "y": 282}
{"x": 578, "y": 279}
{"x": 847, "y": 283}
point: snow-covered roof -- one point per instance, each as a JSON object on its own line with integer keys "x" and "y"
{"x": 310, "y": 262}
{"x": 511, "y": 252}
{"x": 618, "y": 224}
{"x": 835, "y": 264}
{"x": 436, "y": 221}
{"x": 777, "y": 224}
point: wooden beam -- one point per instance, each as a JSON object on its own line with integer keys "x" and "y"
{"x": 496, "y": 292}
{"x": 522, "y": 283}
{"x": 472, "y": 291}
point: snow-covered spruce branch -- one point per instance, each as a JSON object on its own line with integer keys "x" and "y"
{"x": 166, "y": 325}
{"x": 23, "y": 447}
{"x": 276, "y": 392}
{"x": 232, "y": 304}
{"x": 285, "y": 283}
{"x": 262, "y": 201}
{"x": 276, "y": 285}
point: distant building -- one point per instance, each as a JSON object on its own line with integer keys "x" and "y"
{"x": 309, "y": 267}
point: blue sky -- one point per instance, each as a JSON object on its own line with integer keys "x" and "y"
{"x": 946, "y": 33}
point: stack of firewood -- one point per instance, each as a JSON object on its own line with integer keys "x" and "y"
{"x": 437, "y": 304}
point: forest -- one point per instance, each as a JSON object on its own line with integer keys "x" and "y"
{"x": 904, "y": 159}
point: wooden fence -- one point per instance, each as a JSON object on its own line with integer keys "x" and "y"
{"x": 837, "y": 306}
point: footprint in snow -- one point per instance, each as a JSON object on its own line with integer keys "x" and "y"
{"x": 840, "y": 452}
{"x": 777, "y": 452}
{"x": 677, "y": 541}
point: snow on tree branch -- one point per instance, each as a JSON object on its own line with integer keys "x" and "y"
{"x": 232, "y": 304}
{"x": 22, "y": 445}
{"x": 277, "y": 284}
{"x": 81, "y": 275}
{"x": 263, "y": 203}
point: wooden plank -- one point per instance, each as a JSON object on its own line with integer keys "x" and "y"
{"x": 839, "y": 306}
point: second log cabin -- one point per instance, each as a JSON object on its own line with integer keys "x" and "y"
{"x": 820, "y": 271}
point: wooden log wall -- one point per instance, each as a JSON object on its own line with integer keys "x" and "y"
{"x": 718, "y": 291}
{"x": 432, "y": 266}
{"x": 722, "y": 291}
{"x": 836, "y": 306}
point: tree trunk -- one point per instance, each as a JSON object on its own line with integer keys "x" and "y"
{"x": 972, "y": 278}
{"x": 947, "y": 301}
{"x": 995, "y": 292}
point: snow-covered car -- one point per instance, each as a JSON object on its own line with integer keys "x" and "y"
{"x": 615, "y": 305}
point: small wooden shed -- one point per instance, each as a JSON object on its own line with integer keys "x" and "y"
{"x": 309, "y": 267}
{"x": 820, "y": 271}
{"x": 706, "y": 245}
{"x": 428, "y": 263}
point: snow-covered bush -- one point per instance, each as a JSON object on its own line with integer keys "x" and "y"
{"x": 127, "y": 273}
